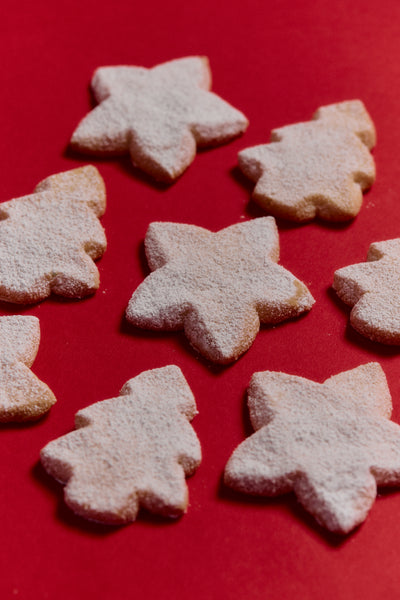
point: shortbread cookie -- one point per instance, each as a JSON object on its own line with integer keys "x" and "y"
{"x": 49, "y": 239}
{"x": 315, "y": 169}
{"x": 131, "y": 451}
{"x": 157, "y": 115}
{"x": 216, "y": 286}
{"x": 23, "y": 396}
{"x": 330, "y": 443}
{"x": 373, "y": 289}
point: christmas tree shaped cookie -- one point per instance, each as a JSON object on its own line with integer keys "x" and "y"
{"x": 218, "y": 287}
{"x": 373, "y": 289}
{"x": 49, "y": 239}
{"x": 157, "y": 115}
{"x": 130, "y": 451}
{"x": 319, "y": 168}
{"x": 330, "y": 443}
{"x": 23, "y": 396}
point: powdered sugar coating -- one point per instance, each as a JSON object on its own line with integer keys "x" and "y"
{"x": 23, "y": 396}
{"x": 216, "y": 286}
{"x": 330, "y": 443}
{"x": 130, "y": 451}
{"x": 49, "y": 239}
{"x": 373, "y": 289}
{"x": 318, "y": 168}
{"x": 157, "y": 115}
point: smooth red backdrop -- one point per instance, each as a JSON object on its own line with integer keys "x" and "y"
{"x": 277, "y": 62}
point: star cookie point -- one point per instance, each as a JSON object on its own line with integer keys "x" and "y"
{"x": 216, "y": 286}
{"x": 158, "y": 116}
{"x": 330, "y": 443}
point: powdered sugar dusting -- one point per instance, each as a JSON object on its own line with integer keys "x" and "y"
{"x": 330, "y": 443}
{"x": 157, "y": 115}
{"x": 22, "y": 395}
{"x": 130, "y": 451}
{"x": 216, "y": 286}
{"x": 318, "y": 168}
{"x": 48, "y": 240}
{"x": 373, "y": 289}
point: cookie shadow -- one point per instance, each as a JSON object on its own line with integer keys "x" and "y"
{"x": 17, "y": 425}
{"x": 248, "y": 429}
{"x": 254, "y": 210}
{"x": 122, "y": 162}
{"x": 64, "y": 514}
{"x": 12, "y": 308}
{"x": 71, "y": 520}
{"x": 289, "y": 504}
{"x": 179, "y": 341}
{"x": 141, "y": 253}
{"x": 356, "y": 339}
{"x": 287, "y": 501}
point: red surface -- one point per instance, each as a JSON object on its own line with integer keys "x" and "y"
{"x": 276, "y": 61}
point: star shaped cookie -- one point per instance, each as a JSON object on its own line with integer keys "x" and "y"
{"x": 216, "y": 286}
{"x": 131, "y": 451}
{"x": 373, "y": 289}
{"x": 23, "y": 397}
{"x": 157, "y": 115}
{"x": 330, "y": 443}
{"x": 315, "y": 169}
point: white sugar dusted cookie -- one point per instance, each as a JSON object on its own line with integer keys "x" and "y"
{"x": 315, "y": 169}
{"x": 218, "y": 287}
{"x": 373, "y": 289}
{"x": 131, "y": 451}
{"x": 157, "y": 115}
{"x": 49, "y": 239}
{"x": 330, "y": 443}
{"x": 23, "y": 397}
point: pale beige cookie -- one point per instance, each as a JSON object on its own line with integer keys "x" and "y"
{"x": 373, "y": 289}
{"x": 23, "y": 396}
{"x": 131, "y": 451}
{"x": 216, "y": 286}
{"x": 315, "y": 169}
{"x": 49, "y": 239}
{"x": 157, "y": 115}
{"x": 330, "y": 443}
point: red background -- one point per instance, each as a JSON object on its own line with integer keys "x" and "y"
{"x": 277, "y": 62}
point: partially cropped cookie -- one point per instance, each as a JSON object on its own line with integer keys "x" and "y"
{"x": 319, "y": 168}
{"x": 373, "y": 290}
{"x": 157, "y": 115}
{"x": 330, "y": 443}
{"x": 49, "y": 239}
{"x": 23, "y": 397}
{"x": 218, "y": 287}
{"x": 131, "y": 451}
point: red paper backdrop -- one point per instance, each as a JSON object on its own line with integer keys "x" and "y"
{"x": 277, "y": 62}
